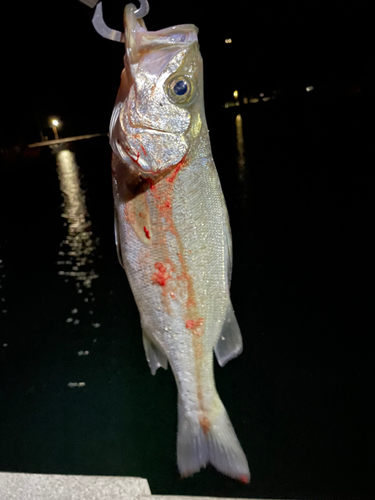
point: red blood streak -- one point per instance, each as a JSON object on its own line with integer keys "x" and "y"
{"x": 143, "y": 149}
{"x": 177, "y": 168}
{"x": 193, "y": 323}
{"x": 134, "y": 159}
{"x": 173, "y": 175}
{"x": 147, "y": 232}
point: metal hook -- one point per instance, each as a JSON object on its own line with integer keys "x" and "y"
{"x": 109, "y": 33}
{"x": 143, "y": 9}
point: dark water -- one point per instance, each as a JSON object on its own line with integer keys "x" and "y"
{"x": 76, "y": 393}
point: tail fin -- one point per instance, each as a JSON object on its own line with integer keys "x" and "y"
{"x": 209, "y": 439}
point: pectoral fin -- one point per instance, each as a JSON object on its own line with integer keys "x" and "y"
{"x": 155, "y": 356}
{"x": 229, "y": 344}
{"x": 117, "y": 239}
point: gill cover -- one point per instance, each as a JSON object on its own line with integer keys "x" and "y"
{"x": 151, "y": 124}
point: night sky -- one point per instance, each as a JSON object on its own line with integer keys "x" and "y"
{"x": 54, "y": 63}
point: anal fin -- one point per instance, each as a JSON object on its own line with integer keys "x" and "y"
{"x": 229, "y": 344}
{"x": 155, "y": 356}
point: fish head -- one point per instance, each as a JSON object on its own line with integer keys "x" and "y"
{"x": 159, "y": 106}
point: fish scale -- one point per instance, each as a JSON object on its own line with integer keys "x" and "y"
{"x": 173, "y": 234}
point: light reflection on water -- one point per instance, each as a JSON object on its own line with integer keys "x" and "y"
{"x": 78, "y": 250}
{"x": 240, "y": 145}
{"x": 78, "y": 246}
{"x": 3, "y": 306}
{"x": 241, "y": 160}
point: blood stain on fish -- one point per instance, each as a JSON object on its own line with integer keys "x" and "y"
{"x": 161, "y": 275}
{"x": 177, "y": 168}
{"x": 162, "y": 192}
{"x": 134, "y": 159}
{"x": 193, "y": 323}
{"x": 205, "y": 424}
{"x": 147, "y": 232}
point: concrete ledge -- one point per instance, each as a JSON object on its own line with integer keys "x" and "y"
{"x": 19, "y": 486}
{"x": 178, "y": 497}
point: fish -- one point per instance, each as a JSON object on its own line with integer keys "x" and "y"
{"x": 173, "y": 234}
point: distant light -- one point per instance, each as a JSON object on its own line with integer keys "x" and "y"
{"x": 309, "y": 88}
{"x": 261, "y": 94}
{"x": 245, "y": 100}
{"x": 253, "y": 100}
{"x": 235, "y": 94}
{"x": 266, "y": 99}
{"x": 228, "y": 40}
{"x": 55, "y": 122}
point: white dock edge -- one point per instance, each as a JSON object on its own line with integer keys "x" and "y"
{"x": 178, "y": 497}
{"x": 22, "y": 486}
{"x": 19, "y": 486}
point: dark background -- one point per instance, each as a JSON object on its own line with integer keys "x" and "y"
{"x": 301, "y": 215}
{"x": 54, "y": 62}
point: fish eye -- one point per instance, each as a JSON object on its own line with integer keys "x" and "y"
{"x": 180, "y": 89}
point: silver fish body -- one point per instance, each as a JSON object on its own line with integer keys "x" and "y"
{"x": 173, "y": 235}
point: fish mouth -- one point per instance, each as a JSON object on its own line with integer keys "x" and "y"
{"x": 139, "y": 40}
